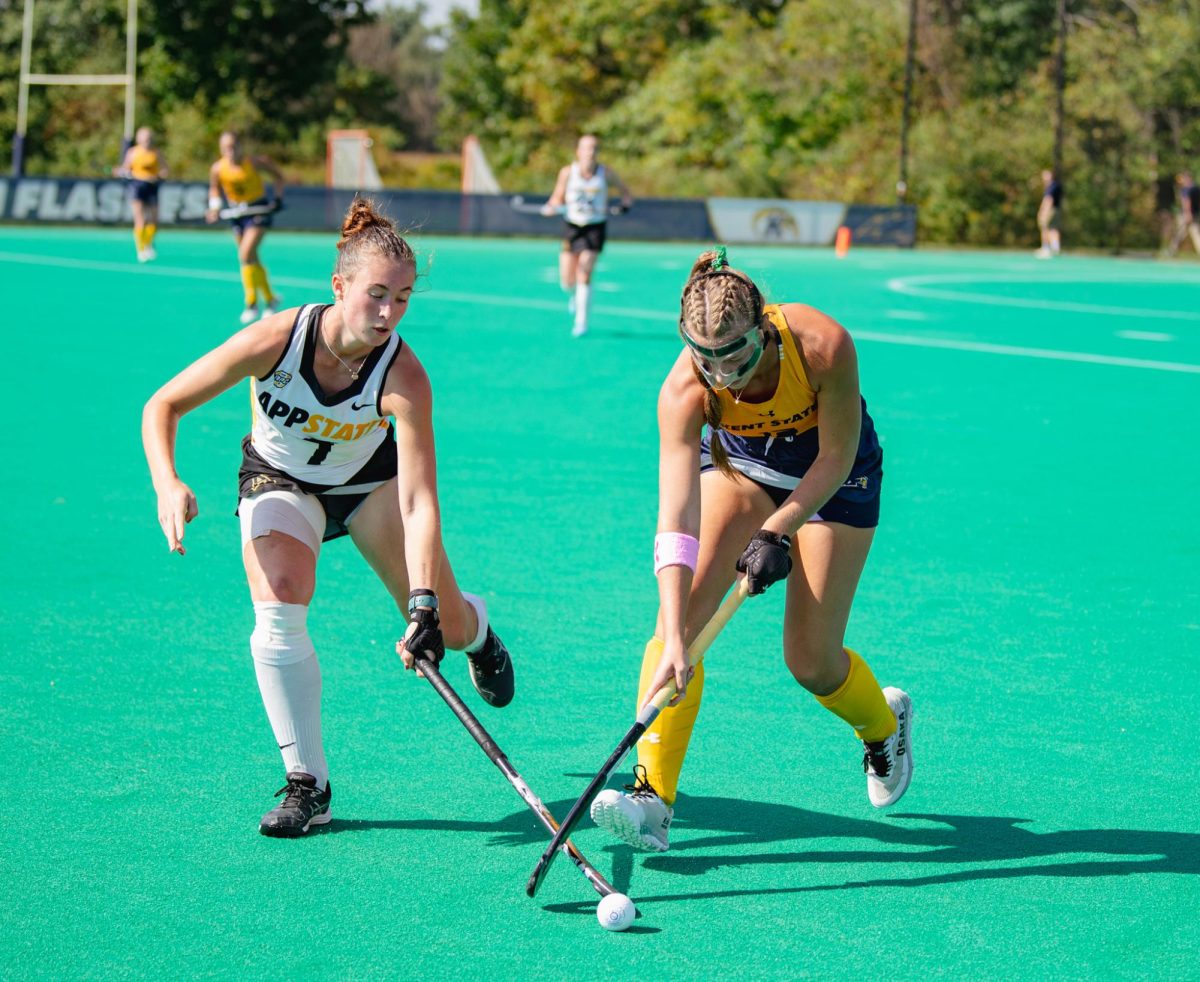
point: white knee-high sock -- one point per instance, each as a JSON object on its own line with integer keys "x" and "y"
{"x": 289, "y": 680}
{"x": 583, "y": 296}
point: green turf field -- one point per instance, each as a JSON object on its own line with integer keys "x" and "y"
{"x": 1033, "y": 585}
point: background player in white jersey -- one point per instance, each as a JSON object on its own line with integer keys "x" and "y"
{"x": 583, "y": 190}
{"x": 324, "y": 460}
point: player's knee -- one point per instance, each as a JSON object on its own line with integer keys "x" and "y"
{"x": 818, "y": 667}
{"x": 280, "y": 634}
{"x": 283, "y": 585}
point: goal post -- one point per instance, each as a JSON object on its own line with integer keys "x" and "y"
{"x": 348, "y": 161}
{"x": 477, "y": 176}
{"x": 128, "y": 79}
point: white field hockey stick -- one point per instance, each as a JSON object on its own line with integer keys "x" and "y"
{"x": 644, "y": 721}
{"x": 248, "y": 211}
{"x": 497, "y": 757}
{"x": 519, "y": 204}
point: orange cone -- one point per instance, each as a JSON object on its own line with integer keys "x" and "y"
{"x": 841, "y": 244}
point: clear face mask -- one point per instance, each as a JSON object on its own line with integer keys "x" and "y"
{"x": 728, "y": 364}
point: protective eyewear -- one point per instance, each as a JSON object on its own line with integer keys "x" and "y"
{"x": 727, "y": 364}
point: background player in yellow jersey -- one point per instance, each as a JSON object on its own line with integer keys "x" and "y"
{"x": 234, "y": 178}
{"x": 144, "y": 167}
{"x": 784, "y": 485}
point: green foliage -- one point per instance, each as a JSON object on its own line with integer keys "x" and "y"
{"x": 791, "y": 98}
{"x": 803, "y": 99}
{"x": 391, "y": 76}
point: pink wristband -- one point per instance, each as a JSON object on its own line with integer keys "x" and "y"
{"x": 675, "y": 549}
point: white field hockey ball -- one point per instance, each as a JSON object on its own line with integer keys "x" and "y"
{"x": 615, "y": 912}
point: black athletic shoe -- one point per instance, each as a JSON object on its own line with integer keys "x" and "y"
{"x": 492, "y": 671}
{"x": 303, "y": 806}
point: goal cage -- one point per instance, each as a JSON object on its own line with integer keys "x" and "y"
{"x": 348, "y": 161}
{"x": 477, "y": 176}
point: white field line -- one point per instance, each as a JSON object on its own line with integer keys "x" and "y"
{"x": 640, "y": 314}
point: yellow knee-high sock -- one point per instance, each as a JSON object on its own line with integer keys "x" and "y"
{"x": 261, "y": 282}
{"x": 139, "y": 238}
{"x": 860, "y": 702}
{"x": 248, "y": 284}
{"x": 148, "y": 234}
{"x": 662, "y": 748}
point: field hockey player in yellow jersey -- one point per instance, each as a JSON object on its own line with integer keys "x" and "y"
{"x": 342, "y": 444}
{"x": 234, "y": 179}
{"x": 144, "y": 168}
{"x": 782, "y": 486}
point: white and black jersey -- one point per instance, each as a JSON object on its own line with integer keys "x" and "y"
{"x": 586, "y": 197}
{"x": 323, "y": 441}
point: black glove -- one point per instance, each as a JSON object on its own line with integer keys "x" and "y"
{"x": 765, "y": 560}
{"x": 424, "y": 635}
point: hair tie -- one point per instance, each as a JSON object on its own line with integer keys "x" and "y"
{"x": 719, "y": 262}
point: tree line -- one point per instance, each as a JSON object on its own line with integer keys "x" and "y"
{"x": 742, "y": 98}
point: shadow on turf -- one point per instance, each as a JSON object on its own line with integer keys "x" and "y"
{"x": 974, "y": 842}
{"x": 712, "y": 825}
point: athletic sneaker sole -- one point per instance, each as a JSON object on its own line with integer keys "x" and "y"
{"x": 610, "y": 816}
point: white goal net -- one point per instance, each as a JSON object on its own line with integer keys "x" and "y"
{"x": 348, "y": 161}
{"x": 477, "y": 176}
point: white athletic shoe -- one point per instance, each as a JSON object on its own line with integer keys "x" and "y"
{"x": 889, "y": 763}
{"x": 272, "y": 306}
{"x": 142, "y": 257}
{"x": 640, "y": 817}
{"x": 1043, "y": 253}
{"x": 250, "y": 314}
{"x": 579, "y": 330}
{"x": 149, "y": 254}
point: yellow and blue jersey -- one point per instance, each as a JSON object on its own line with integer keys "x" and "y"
{"x": 144, "y": 163}
{"x": 241, "y": 183}
{"x": 774, "y": 442}
{"x": 793, "y": 407}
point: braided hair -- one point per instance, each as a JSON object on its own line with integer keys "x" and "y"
{"x": 718, "y": 304}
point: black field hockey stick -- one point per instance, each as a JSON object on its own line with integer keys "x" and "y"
{"x": 497, "y": 757}
{"x": 644, "y": 721}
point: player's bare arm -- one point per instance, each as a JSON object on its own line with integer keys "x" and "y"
{"x": 408, "y": 398}
{"x": 252, "y": 351}
{"x": 558, "y": 197}
{"x": 680, "y": 421}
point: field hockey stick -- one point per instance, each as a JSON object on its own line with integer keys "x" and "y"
{"x": 248, "y": 211}
{"x": 519, "y": 204}
{"x": 497, "y": 757}
{"x": 644, "y": 721}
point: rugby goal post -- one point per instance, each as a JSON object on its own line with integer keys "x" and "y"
{"x": 126, "y": 79}
{"x": 349, "y": 162}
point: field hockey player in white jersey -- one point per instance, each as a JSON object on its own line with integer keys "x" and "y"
{"x": 342, "y": 443}
{"x": 581, "y": 194}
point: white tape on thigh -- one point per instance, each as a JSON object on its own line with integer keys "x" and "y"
{"x": 290, "y": 512}
{"x": 280, "y": 633}
{"x": 480, "y": 606}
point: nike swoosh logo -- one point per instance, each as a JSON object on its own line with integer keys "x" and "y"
{"x": 284, "y": 746}
{"x": 355, "y": 405}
